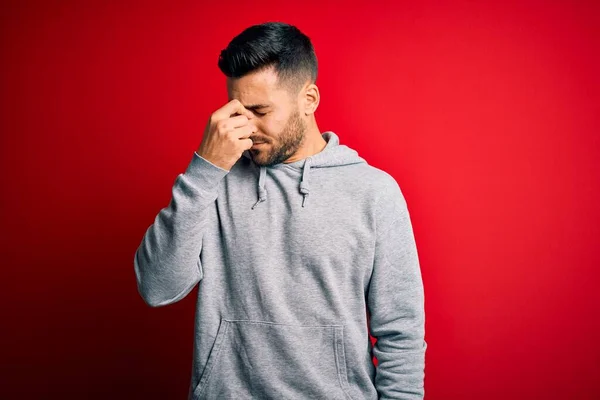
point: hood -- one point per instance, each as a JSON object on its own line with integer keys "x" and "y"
{"x": 333, "y": 155}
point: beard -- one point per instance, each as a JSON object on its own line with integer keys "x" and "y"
{"x": 289, "y": 142}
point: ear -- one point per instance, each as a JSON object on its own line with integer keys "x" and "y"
{"x": 310, "y": 99}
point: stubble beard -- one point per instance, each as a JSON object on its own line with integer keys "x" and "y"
{"x": 290, "y": 141}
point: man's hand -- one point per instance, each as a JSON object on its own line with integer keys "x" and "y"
{"x": 226, "y": 135}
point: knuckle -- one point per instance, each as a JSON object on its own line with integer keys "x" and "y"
{"x": 222, "y": 126}
{"x": 229, "y": 136}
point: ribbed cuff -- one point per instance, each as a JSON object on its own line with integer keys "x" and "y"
{"x": 205, "y": 173}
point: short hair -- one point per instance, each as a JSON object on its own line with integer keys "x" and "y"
{"x": 271, "y": 44}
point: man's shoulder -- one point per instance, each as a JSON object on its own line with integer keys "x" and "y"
{"x": 388, "y": 198}
{"x": 379, "y": 180}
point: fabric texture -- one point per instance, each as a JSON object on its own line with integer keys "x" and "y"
{"x": 294, "y": 264}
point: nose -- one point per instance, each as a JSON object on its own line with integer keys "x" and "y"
{"x": 254, "y": 127}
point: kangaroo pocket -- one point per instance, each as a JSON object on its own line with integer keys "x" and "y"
{"x": 266, "y": 360}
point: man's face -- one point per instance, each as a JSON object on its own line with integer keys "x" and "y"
{"x": 280, "y": 126}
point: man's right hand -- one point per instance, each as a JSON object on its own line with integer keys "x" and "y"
{"x": 226, "y": 135}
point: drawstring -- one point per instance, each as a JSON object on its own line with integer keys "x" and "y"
{"x": 262, "y": 192}
{"x": 304, "y": 188}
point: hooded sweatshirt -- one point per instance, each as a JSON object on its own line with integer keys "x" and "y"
{"x": 296, "y": 264}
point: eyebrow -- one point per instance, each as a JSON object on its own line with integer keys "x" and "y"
{"x": 257, "y": 106}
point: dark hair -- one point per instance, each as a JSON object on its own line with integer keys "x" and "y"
{"x": 275, "y": 44}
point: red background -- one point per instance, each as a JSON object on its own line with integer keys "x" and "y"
{"x": 488, "y": 115}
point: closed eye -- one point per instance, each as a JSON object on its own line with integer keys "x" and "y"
{"x": 261, "y": 114}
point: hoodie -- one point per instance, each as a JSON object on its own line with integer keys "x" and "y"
{"x": 296, "y": 264}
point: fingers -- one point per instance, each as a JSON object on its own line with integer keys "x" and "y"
{"x": 237, "y": 121}
{"x": 244, "y": 131}
{"x": 231, "y": 108}
{"x": 239, "y": 126}
{"x": 246, "y": 143}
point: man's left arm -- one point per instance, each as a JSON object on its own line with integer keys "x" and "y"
{"x": 396, "y": 304}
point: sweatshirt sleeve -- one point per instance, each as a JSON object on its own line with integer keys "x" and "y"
{"x": 396, "y": 303}
{"x": 167, "y": 262}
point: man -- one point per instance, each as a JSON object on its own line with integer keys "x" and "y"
{"x": 297, "y": 245}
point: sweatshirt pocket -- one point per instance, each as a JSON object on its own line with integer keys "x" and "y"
{"x": 260, "y": 359}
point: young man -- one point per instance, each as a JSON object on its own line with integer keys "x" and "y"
{"x": 297, "y": 244}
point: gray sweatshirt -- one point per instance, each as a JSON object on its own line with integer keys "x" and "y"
{"x": 294, "y": 264}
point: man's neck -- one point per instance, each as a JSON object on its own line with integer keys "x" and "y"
{"x": 313, "y": 143}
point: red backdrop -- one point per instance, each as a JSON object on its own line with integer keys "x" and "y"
{"x": 486, "y": 114}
